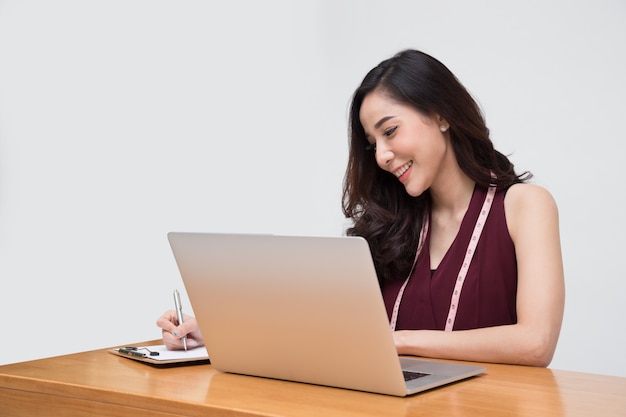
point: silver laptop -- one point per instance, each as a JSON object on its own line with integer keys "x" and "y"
{"x": 306, "y": 309}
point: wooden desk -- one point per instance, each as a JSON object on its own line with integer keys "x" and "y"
{"x": 99, "y": 383}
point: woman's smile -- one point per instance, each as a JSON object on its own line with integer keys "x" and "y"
{"x": 403, "y": 172}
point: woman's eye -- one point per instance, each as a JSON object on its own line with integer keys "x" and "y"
{"x": 371, "y": 147}
{"x": 390, "y": 131}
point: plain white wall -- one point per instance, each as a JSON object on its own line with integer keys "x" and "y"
{"x": 123, "y": 120}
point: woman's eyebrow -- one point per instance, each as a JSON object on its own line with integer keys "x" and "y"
{"x": 383, "y": 120}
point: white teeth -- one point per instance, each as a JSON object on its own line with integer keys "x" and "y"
{"x": 403, "y": 169}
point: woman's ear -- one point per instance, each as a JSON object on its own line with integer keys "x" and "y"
{"x": 443, "y": 124}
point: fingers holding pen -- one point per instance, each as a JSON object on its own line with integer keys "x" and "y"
{"x": 168, "y": 321}
{"x": 173, "y": 332}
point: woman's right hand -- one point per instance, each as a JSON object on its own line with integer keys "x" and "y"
{"x": 173, "y": 332}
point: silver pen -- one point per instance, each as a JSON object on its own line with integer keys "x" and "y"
{"x": 179, "y": 313}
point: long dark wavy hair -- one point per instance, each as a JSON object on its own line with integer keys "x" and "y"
{"x": 379, "y": 207}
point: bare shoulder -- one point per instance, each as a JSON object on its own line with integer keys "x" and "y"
{"x": 528, "y": 203}
{"x": 528, "y": 195}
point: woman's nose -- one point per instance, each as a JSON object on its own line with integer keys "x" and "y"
{"x": 384, "y": 155}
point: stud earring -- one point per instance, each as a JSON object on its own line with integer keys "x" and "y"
{"x": 443, "y": 128}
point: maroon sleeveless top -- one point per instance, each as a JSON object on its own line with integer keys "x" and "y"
{"x": 489, "y": 292}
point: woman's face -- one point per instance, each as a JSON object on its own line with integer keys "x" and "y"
{"x": 408, "y": 144}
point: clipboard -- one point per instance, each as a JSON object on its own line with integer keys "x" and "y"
{"x": 161, "y": 355}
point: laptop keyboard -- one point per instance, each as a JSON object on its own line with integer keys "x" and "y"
{"x": 409, "y": 376}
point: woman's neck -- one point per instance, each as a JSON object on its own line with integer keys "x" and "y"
{"x": 451, "y": 194}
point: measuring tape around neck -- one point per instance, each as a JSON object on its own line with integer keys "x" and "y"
{"x": 469, "y": 254}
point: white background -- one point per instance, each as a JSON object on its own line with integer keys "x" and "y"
{"x": 123, "y": 120}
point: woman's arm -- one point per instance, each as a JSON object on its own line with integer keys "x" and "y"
{"x": 533, "y": 223}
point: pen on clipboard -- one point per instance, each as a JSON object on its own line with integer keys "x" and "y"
{"x": 179, "y": 313}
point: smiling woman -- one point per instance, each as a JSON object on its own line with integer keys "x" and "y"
{"x": 468, "y": 268}
{"x": 468, "y": 255}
